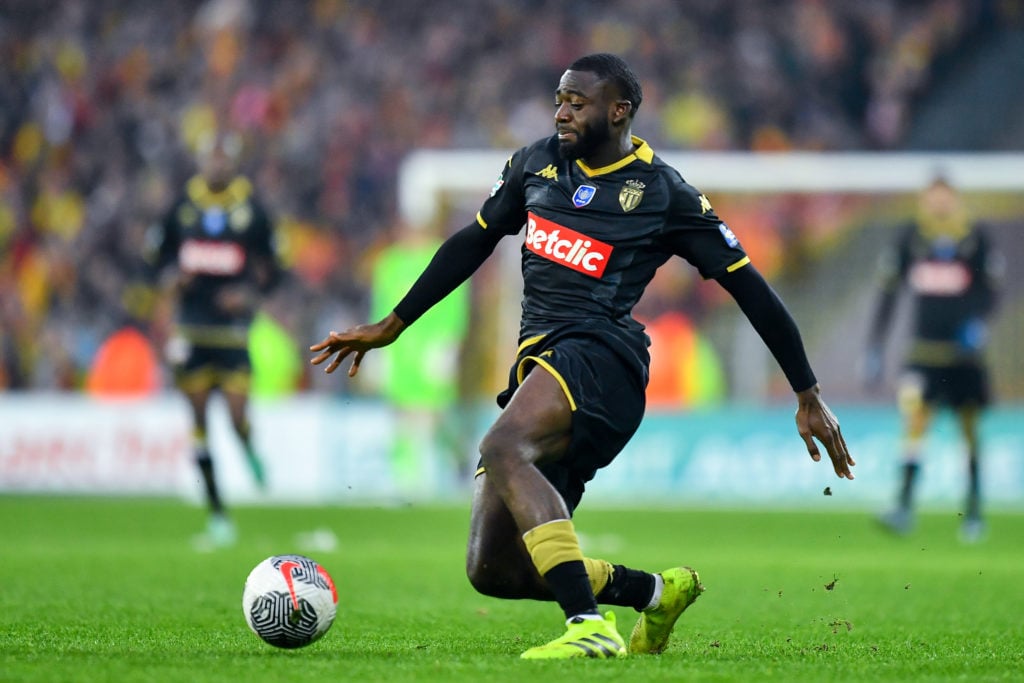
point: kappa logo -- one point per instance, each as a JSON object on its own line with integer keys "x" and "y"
{"x": 549, "y": 172}
{"x": 705, "y": 204}
{"x": 567, "y": 247}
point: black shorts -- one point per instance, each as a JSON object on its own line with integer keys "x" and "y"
{"x": 955, "y": 386}
{"x": 209, "y": 367}
{"x": 607, "y": 395}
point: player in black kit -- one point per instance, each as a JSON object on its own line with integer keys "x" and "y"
{"x": 948, "y": 264}
{"x": 602, "y": 212}
{"x": 215, "y": 253}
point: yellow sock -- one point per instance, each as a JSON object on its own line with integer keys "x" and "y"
{"x": 551, "y": 544}
{"x": 599, "y": 572}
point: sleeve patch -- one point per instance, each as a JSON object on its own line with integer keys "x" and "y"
{"x": 730, "y": 237}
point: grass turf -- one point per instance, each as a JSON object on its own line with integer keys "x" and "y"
{"x": 111, "y": 590}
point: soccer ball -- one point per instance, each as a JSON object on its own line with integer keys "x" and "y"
{"x": 289, "y": 600}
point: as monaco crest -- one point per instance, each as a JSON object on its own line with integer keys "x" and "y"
{"x": 631, "y": 194}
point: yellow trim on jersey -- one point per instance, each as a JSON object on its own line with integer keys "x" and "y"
{"x": 935, "y": 353}
{"x": 238, "y": 191}
{"x": 529, "y": 342}
{"x": 520, "y": 375}
{"x": 739, "y": 264}
{"x": 643, "y": 152}
{"x": 216, "y": 336}
{"x": 207, "y": 377}
{"x": 481, "y": 221}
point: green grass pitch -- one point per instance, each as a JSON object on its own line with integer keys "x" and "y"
{"x": 111, "y": 590}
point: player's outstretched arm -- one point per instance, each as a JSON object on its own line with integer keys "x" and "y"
{"x": 356, "y": 340}
{"x": 773, "y": 322}
{"x": 814, "y": 420}
{"x": 456, "y": 259}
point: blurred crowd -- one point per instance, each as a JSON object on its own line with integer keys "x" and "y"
{"x": 103, "y": 104}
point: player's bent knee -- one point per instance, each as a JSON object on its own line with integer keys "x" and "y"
{"x": 506, "y": 447}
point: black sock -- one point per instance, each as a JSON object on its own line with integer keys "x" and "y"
{"x": 571, "y": 586}
{"x": 910, "y": 471}
{"x": 628, "y": 588}
{"x": 205, "y": 464}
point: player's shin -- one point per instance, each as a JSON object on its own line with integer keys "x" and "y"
{"x": 555, "y": 551}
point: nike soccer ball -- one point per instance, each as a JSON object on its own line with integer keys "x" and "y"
{"x": 289, "y": 600}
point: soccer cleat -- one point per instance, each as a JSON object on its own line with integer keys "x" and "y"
{"x": 596, "y": 638}
{"x": 972, "y": 530}
{"x": 220, "y": 533}
{"x": 653, "y": 628}
{"x": 899, "y": 521}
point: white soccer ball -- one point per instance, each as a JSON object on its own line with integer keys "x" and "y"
{"x": 289, "y": 600}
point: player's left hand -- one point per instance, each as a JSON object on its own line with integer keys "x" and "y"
{"x": 356, "y": 341}
{"x": 814, "y": 420}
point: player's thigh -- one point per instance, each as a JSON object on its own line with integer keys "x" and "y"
{"x": 535, "y": 426}
{"x": 968, "y": 417}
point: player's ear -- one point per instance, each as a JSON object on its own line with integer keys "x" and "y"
{"x": 621, "y": 110}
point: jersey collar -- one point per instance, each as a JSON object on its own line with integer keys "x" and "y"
{"x": 642, "y": 151}
{"x": 237, "y": 191}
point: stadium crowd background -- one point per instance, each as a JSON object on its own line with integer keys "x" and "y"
{"x": 103, "y": 103}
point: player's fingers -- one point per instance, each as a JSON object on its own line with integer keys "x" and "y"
{"x": 320, "y": 346}
{"x": 342, "y": 355}
{"x": 352, "y": 371}
{"x": 839, "y": 455}
{"x": 846, "y": 451}
{"x": 812, "y": 448}
{"x": 317, "y": 360}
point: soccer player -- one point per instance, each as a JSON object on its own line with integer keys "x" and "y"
{"x": 948, "y": 263}
{"x": 602, "y": 212}
{"x": 215, "y": 253}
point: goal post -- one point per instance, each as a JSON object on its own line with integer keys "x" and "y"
{"x": 427, "y": 175}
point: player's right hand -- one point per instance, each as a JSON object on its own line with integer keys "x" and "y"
{"x": 356, "y": 340}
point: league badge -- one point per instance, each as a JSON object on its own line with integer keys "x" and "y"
{"x": 584, "y": 193}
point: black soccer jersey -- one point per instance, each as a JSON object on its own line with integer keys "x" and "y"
{"x": 595, "y": 236}
{"x": 952, "y": 282}
{"x": 217, "y": 240}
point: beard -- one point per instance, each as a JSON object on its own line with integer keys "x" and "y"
{"x": 587, "y": 141}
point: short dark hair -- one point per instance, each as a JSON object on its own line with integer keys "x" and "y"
{"x": 609, "y": 67}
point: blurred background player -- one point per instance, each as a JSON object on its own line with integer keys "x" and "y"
{"x": 215, "y": 255}
{"x": 946, "y": 260}
{"x": 422, "y": 387}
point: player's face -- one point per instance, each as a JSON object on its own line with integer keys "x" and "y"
{"x": 582, "y": 115}
{"x": 218, "y": 167}
{"x": 940, "y": 201}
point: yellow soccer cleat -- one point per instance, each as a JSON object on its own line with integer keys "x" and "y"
{"x": 597, "y": 638}
{"x": 650, "y": 635}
